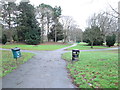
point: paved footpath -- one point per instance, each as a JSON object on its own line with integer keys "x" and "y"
{"x": 45, "y": 70}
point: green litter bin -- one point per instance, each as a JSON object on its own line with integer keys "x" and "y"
{"x": 16, "y": 52}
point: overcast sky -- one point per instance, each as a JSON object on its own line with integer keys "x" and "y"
{"x": 80, "y": 10}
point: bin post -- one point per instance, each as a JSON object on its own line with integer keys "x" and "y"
{"x": 16, "y": 61}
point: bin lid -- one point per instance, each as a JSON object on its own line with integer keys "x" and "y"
{"x": 75, "y": 50}
{"x": 16, "y": 49}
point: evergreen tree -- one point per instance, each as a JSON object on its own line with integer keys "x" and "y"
{"x": 93, "y": 36}
{"x": 56, "y": 16}
{"x": 29, "y": 30}
{"x": 110, "y": 40}
{"x": 45, "y": 14}
{"x": 4, "y": 39}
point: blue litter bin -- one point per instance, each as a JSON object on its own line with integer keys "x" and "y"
{"x": 16, "y": 52}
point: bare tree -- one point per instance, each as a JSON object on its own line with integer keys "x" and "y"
{"x": 118, "y": 35}
{"x": 44, "y": 14}
{"x": 116, "y": 14}
{"x": 8, "y": 13}
{"x": 69, "y": 26}
{"x": 107, "y": 23}
{"x": 40, "y": 11}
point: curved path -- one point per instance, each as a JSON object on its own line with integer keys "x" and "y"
{"x": 45, "y": 70}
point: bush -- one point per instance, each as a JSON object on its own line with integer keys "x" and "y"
{"x": 15, "y": 37}
{"x": 97, "y": 42}
{"x": 110, "y": 40}
{"x": 94, "y": 35}
{"x": 32, "y": 38}
{"x": 4, "y": 39}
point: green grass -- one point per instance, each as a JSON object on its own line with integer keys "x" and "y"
{"x": 94, "y": 69}
{"x": 9, "y": 63}
{"x": 83, "y": 46}
{"x": 35, "y": 47}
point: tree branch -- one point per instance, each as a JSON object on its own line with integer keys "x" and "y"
{"x": 112, "y": 15}
{"x": 114, "y": 9}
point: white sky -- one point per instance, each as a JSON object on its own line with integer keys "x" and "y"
{"x": 80, "y": 10}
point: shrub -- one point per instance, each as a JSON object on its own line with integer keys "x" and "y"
{"x": 15, "y": 37}
{"x": 110, "y": 40}
{"x": 94, "y": 35}
{"x": 32, "y": 38}
{"x": 96, "y": 42}
{"x": 4, "y": 39}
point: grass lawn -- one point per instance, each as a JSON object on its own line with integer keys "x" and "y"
{"x": 35, "y": 47}
{"x": 9, "y": 63}
{"x": 83, "y": 46}
{"x": 94, "y": 69}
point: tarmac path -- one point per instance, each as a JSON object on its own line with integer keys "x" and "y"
{"x": 45, "y": 70}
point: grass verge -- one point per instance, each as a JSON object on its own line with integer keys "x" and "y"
{"x": 9, "y": 63}
{"x": 94, "y": 69}
{"x": 35, "y": 47}
{"x": 83, "y": 46}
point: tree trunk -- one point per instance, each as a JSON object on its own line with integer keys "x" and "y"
{"x": 9, "y": 26}
{"x": 118, "y": 38}
{"x": 55, "y": 34}
{"x": 9, "y": 23}
{"x": 65, "y": 36}
{"x": 56, "y": 22}
{"x": 91, "y": 44}
{"x": 48, "y": 29}
{"x": 42, "y": 29}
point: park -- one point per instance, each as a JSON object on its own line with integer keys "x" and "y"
{"x": 38, "y": 47}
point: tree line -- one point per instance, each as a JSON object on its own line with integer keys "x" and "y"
{"x": 23, "y": 22}
{"x": 102, "y": 28}
{"x": 20, "y": 22}
{"x": 26, "y": 23}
